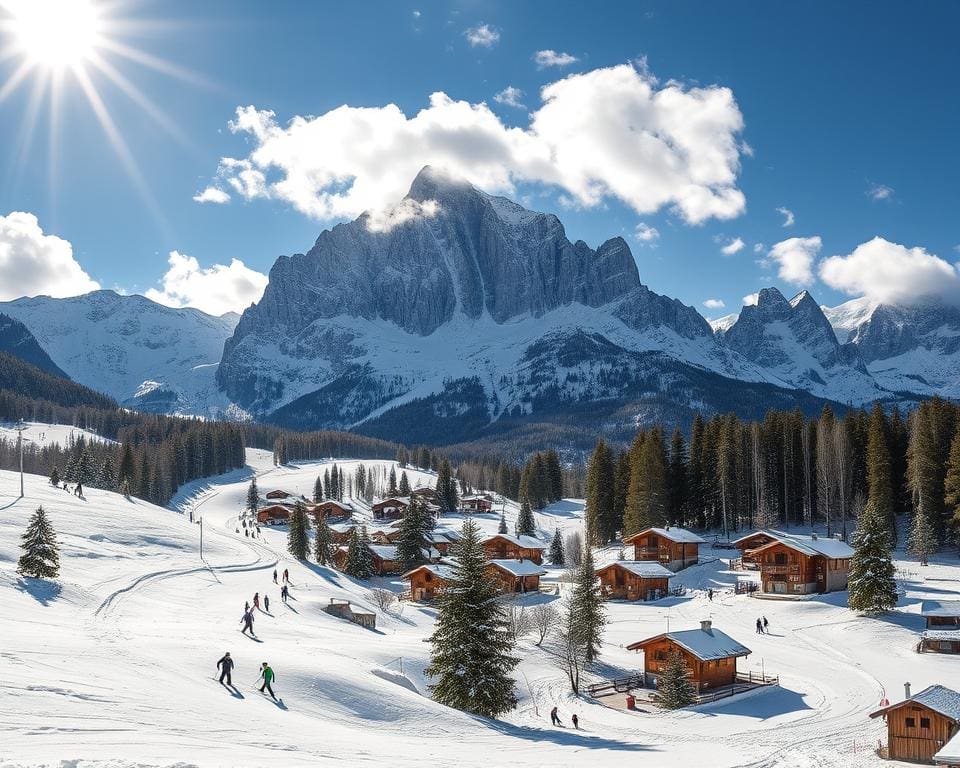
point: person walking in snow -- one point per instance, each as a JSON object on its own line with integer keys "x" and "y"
{"x": 759, "y": 626}
{"x": 246, "y": 606}
{"x": 555, "y": 718}
{"x": 225, "y": 665}
{"x": 78, "y": 491}
{"x": 256, "y": 601}
{"x": 247, "y": 622}
{"x": 710, "y": 594}
{"x": 274, "y": 575}
{"x": 576, "y": 721}
{"x": 766, "y": 625}
{"x": 267, "y": 675}
{"x": 284, "y": 592}
{"x": 286, "y": 576}
{"x": 266, "y": 603}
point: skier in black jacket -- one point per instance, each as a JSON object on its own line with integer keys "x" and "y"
{"x": 225, "y": 665}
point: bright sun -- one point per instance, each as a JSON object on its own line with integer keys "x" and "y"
{"x": 55, "y": 33}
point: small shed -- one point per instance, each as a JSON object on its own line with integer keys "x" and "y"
{"x": 475, "y": 504}
{"x": 344, "y": 610}
{"x": 428, "y": 581}
{"x": 940, "y": 641}
{"x": 628, "y": 580}
{"x": 390, "y": 508}
{"x": 503, "y": 546}
{"x": 674, "y": 548}
{"x": 275, "y": 514}
{"x": 921, "y": 725}
{"x": 515, "y": 575}
{"x": 278, "y": 494}
{"x": 941, "y": 614}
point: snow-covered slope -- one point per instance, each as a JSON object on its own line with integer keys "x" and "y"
{"x": 141, "y": 353}
{"x": 848, "y": 316}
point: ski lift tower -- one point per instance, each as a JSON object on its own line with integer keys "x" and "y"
{"x": 21, "y": 426}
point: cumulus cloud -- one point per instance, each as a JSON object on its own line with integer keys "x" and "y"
{"x": 879, "y": 192}
{"x": 734, "y": 246}
{"x": 34, "y": 264}
{"x": 794, "y": 258}
{"x": 482, "y": 36}
{"x": 890, "y": 272}
{"x": 646, "y": 234}
{"x": 511, "y": 97}
{"x": 214, "y": 290}
{"x": 714, "y": 304}
{"x": 759, "y": 247}
{"x": 750, "y": 299}
{"x": 607, "y": 133}
{"x": 787, "y": 214}
{"x": 551, "y": 58}
{"x": 404, "y": 211}
{"x": 212, "y": 195}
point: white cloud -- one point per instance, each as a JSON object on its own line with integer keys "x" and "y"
{"x": 759, "y": 247}
{"x": 889, "y": 272}
{"x": 214, "y": 290}
{"x": 788, "y": 217}
{"x": 607, "y": 133}
{"x": 551, "y": 58}
{"x": 35, "y": 264}
{"x": 714, "y": 304}
{"x": 510, "y": 96}
{"x": 795, "y": 257}
{"x": 734, "y": 246}
{"x": 646, "y": 234}
{"x": 746, "y": 149}
{"x": 212, "y": 195}
{"x": 750, "y": 299}
{"x": 879, "y": 192}
{"x": 416, "y": 14}
{"x": 404, "y": 211}
{"x": 483, "y": 36}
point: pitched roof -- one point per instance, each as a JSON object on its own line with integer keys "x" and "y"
{"x": 384, "y": 551}
{"x": 335, "y": 503}
{"x": 440, "y": 570}
{"x": 945, "y": 608}
{"x": 643, "y": 569}
{"x": 679, "y": 535}
{"x": 524, "y": 542}
{"x": 707, "y": 644}
{"x": 401, "y": 499}
{"x": 764, "y": 532}
{"x": 518, "y": 567}
{"x": 812, "y": 545}
{"x": 939, "y": 698}
{"x": 942, "y": 634}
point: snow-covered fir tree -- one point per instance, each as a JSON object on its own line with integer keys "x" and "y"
{"x": 502, "y": 528}
{"x": 392, "y": 482}
{"x": 526, "y": 525}
{"x": 446, "y": 489}
{"x": 871, "y": 584}
{"x": 298, "y": 541}
{"x": 358, "y": 563}
{"x": 922, "y": 540}
{"x": 55, "y": 477}
{"x": 586, "y": 606}
{"x": 674, "y": 687}
{"x": 41, "y": 553}
{"x": 470, "y": 659}
{"x": 253, "y": 498}
{"x": 323, "y": 542}
{"x": 416, "y": 523}
{"x": 556, "y": 549}
{"x": 404, "y": 489}
{"x": 318, "y": 490}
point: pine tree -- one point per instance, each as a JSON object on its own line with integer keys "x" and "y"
{"x": 55, "y": 477}
{"x": 502, "y": 528}
{"x": 323, "y": 542}
{"x": 922, "y": 541}
{"x": 392, "y": 482}
{"x": 879, "y": 487}
{"x": 555, "y": 475}
{"x": 951, "y": 485}
{"x": 358, "y": 556}
{"x": 601, "y": 517}
{"x": 556, "y": 549}
{"x": 526, "y": 525}
{"x": 674, "y": 687}
{"x": 414, "y": 527}
{"x": 318, "y": 490}
{"x": 41, "y": 553}
{"x": 871, "y": 584}
{"x": 404, "y": 488}
{"x": 253, "y": 498}
{"x": 470, "y": 657}
{"x": 298, "y": 542}
{"x": 446, "y": 489}
{"x": 677, "y": 480}
{"x": 586, "y": 606}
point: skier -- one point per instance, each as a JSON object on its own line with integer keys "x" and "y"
{"x": 710, "y": 594}
{"x": 576, "y": 721}
{"x": 246, "y": 533}
{"x": 266, "y": 603}
{"x": 243, "y": 523}
{"x": 274, "y": 575}
{"x": 284, "y": 592}
{"x": 226, "y": 665}
{"x": 286, "y": 576}
{"x": 256, "y": 600}
{"x": 555, "y": 718}
{"x": 247, "y": 622}
{"x": 766, "y": 624}
{"x": 266, "y": 674}
{"x": 78, "y": 491}
{"x": 759, "y": 626}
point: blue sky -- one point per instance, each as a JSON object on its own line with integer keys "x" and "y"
{"x": 850, "y": 111}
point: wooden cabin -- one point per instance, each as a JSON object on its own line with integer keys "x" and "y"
{"x": 278, "y": 494}
{"x": 920, "y": 726}
{"x": 330, "y": 508}
{"x": 711, "y": 655}
{"x": 475, "y": 505}
{"x": 746, "y": 545}
{"x": 941, "y": 614}
{"x": 503, "y": 546}
{"x": 391, "y": 508}
{"x": 442, "y": 539}
{"x": 627, "y": 580}
{"x": 673, "y": 548}
{"x": 802, "y": 565}
{"x": 515, "y": 575}
{"x": 428, "y": 581}
{"x": 275, "y": 514}
{"x": 426, "y": 493}
{"x": 343, "y": 610}
{"x": 940, "y": 641}
{"x": 384, "y": 557}
{"x": 340, "y": 532}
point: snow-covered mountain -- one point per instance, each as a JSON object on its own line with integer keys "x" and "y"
{"x": 141, "y": 353}
{"x": 16, "y": 339}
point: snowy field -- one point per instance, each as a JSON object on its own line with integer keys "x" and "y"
{"x": 113, "y": 664}
{"x": 48, "y": 434}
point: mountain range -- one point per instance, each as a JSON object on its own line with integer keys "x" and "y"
{"x": 462, "y": 316}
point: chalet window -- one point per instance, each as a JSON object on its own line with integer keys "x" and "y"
{"x": 780, "y": 558}
{"x": 428, "y": 576}
{"x": 911, "y": 722}
{"x": 924, "y": 722}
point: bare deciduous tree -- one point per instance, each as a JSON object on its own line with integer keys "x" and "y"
{"x": 544, "y": 618}
{"x": 384, "y": 598}
{"x": 573, "y": 548}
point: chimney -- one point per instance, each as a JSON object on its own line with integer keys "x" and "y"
{"x": 906, "y": 690}
{"x": 706, "y": 625}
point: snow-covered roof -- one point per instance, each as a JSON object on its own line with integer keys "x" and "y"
{"x": 942, "y": 634}
{"x": 524, "y": 542}
{"x": 643, "y": 569}
{"x": 384, "y": 551}
{"x": 706, "y": 643}
{"x": 950, "y": 752}
{"x": 939, "y": 698}
{"x": 401, "y": 499}
{"x": 679, "y": 535}
{"x": 764, "y": 532}
{"x": 946, "y": 608}
{"x": 812, "y": 545}
{"x": 439, "y": 570}
{"x": 335, "y": 503}
{"x": 475, "y": 497}
{"x": 342, "y": 527}
{"x": 519, "y": 567}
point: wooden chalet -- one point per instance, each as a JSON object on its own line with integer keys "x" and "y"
{"x": 391, "y": 508}
{"x": 802, "y": 565}
{"x": 475, "y": 505}
{"x": 711, "y": 655}
{"x": 503, "y": 546}
{"x": 673, "y": 548}
{"x": 275, "y": 514}
{"x": 920, "y": 726}
{"x": 343, "y": 610}
{"x": 277, "y": 494}
{"x": 384, "y": 557}
{"x": 442, "y": 539}
{"x": 340, "y": 532}
{"x": 330, "y": 508}
{"x": 426, "y": 493}
{"x": 746, "y": 545}
{"x": 515, "y": 575}
{"x": 627, "y": 580}
{"x": 942, "y": 634}
{"x": 428, "y": 581}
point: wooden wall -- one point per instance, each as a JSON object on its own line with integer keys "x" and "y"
{"x": 913, "y": 742}
{"x": 705, "y": 674}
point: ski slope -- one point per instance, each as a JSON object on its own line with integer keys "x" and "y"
{"x": 49, "y": 434}
{"x": 113, "y": 664}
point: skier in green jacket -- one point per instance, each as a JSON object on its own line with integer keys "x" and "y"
{"x": 266, "y": 674}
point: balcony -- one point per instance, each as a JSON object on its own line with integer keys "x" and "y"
{"x": 777, "y": 570}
